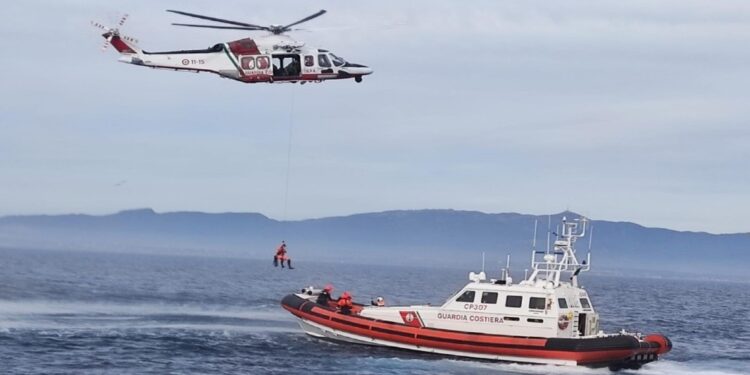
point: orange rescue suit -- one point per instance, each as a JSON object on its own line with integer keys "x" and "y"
{"x": 345, "y": 305}
{"x": 281, "y": 252}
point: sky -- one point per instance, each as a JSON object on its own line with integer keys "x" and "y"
{"x": 619, "y": 110}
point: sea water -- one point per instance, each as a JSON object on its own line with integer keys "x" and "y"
{"x": 89, "y": 313}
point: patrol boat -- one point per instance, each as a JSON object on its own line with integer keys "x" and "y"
{"x": 548, "y": 318}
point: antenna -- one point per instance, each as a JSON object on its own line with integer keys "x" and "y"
{"x": 482, "y": 261}
{"x": 591, "y": 236}
{"x": 549, "y": 228}
{"x": 508, "y": 278}
{"x": 533, "y": 241}
{"x": 507, "y": 263}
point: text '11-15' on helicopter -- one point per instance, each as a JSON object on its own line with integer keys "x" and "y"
{"x": 273, "y": 58}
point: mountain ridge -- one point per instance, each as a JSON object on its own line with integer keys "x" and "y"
{"x": 427, "y": 236}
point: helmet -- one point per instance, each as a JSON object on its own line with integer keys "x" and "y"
{"x": 379, "y": 299}
{"x": 328, "y": 288}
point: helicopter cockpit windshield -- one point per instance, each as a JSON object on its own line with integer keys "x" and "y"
{"x": 337, "y": 61}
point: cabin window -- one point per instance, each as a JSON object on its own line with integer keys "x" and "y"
{"x": 511, "y": 318}
{"x": 534, "y": 320}
{"x": 309, "y": 60}
{"x": 467, "y": 296}
{"x": 263, "y": 62}
{"x": 323, "y": 61}
{"x": 537, "y": 303}
{"x": 247, "y": 63}
{"x": 585, "y": 303}
{"x": 563, "y": 303}
{"x": 513, "y": 301}
{"x": 489, "y": 297}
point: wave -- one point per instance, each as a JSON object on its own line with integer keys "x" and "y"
{"x": 723, "y": 367}
{"x": 38, "y": 314}
{"x": 662, "y": 367}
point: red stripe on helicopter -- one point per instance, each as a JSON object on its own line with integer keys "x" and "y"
{"x": 245, "y": 46}
{"x": 120, "y": 46}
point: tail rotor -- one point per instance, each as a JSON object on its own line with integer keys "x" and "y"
{"x": 113, "y": 33}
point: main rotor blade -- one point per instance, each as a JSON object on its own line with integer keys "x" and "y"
{"x": 123, "y": 19}
{"x": 212, "y": 18}
{"x": 220, "y": 27}
{"x": 320, "y": 13}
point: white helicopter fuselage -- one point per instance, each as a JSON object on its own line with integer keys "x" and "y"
{"x": 272, "y": 59}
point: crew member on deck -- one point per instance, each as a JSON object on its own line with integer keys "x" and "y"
{"x": 281, "y": 256}
{"x": 345, "y": 303}
{"x": 324, "y": 298}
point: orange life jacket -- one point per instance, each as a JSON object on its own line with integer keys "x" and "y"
{"x": 345, "y": 303}
{"x": 281, "y": 251}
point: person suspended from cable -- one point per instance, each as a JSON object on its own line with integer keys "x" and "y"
{"x": 281, "y": 256}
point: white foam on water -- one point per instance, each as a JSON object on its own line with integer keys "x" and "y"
{"x": 662, "y": 367}
{"x": 36, "y": 307}
{"x": 8, "y": 327}
{"x": 37, "y": 314}
{"x": 666, "y": 367}
{"x": 522, "y": 368}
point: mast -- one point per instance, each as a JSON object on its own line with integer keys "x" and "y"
{"x": 561, "y": 258}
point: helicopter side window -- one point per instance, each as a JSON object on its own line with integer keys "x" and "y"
{"x": 563, "y": 303}
{"x": 323, "y": 61}
{"x": 467, "y": 296}
{"x": 248, "y": 63}
{"x": 309, "y": 60}
{"x": 263, "y": 62}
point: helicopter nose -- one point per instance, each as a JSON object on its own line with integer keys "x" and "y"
{"x": 357, "y": 69}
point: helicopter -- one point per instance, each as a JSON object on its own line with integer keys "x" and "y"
{"x": 272, "y": 58}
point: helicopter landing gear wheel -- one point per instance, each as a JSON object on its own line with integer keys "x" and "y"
{"x": 358, "y": 79}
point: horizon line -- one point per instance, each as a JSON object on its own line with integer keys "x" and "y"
{"x": 151, "y": 210}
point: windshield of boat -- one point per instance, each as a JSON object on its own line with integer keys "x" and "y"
{"x": 467, "y": 296}
{"x": 338, "y": 61}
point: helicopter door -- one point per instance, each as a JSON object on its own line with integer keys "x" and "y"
{"x": 286, "y": 66}
{"x": 324, "y": 63}
{"x": 309, "y": 65}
